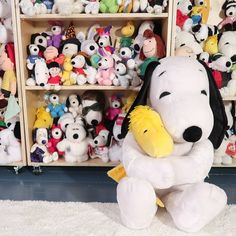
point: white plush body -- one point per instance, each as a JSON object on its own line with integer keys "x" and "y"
{"x": 67, "y": 7}
{"x": 10, "y": 149}
{"x": 92, "y": 7}
{"x": 179, "y": 178}
{"x": 75, "y": 147}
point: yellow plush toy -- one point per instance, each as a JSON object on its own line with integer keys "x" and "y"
{"x": 66, "y": 75}
{"x": 129, "y": 102}
{"x": 202, "y": 10}
{"x": 149, "y": 132}
{"x": 211, "y": 45}
{"x": 128, "y": 29}
{"x": 126, "y": 6}
{"x": 43, "y": 119}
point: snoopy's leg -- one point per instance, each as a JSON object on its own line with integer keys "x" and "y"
{"x": 137, "y": 202}
{"x": 195, "y": 206}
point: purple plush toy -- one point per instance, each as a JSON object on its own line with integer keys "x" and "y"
{"x": 57, "y": 36}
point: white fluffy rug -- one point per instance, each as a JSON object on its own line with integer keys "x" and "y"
{"x": 33, "y": 218}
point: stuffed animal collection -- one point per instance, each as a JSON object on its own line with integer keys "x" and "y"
{"x": 68, "y": 7}
{"x": 10, "y": 150}
{"x": 80, "y": 127}
{"x": 216, "y": 46}
{"x": 60, "y": 56}
{"x": 213, "y": 44}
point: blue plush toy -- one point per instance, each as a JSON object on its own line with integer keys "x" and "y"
{"x": 55, "y": 108}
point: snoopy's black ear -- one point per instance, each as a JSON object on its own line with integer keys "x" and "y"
{"x": 67, "y": 102}
{"x": 218, "y": 109}
{"x": 141, "y": 98}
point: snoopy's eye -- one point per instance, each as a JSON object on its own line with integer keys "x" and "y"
{"x": 164, "y": 94}
{"x": 226, "y": 43}
{"x": 183, "y": 44}
{"x": 145, "y": 131}
{"x": 105, "y": 59}
{"x": 204, "y": 92}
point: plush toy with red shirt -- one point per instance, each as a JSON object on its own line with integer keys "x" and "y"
{"x": 183, "y": 21}
{"x": 56, "y": 137}
{"x": 115, "y": 108}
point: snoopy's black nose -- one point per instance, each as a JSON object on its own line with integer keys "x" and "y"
{"x": 190, "y": 7}
{"x": 94, "y": 122}
{"x": 192, "y": 134}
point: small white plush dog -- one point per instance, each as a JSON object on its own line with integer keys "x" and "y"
{"x": 10, "y": 149}
{"x": 73, "y": 103}
{"x": 75, "y": 145}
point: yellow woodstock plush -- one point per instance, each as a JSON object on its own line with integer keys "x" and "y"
{"x": 151, "y": 135}
{"x": 149, "y": 132}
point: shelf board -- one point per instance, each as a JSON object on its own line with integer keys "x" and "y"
{"x": 18, "y": 163}
{"x": 91, "y": 162}
{"x": 85, "y": 87}
{"x": 100, "y": 16}
{"x": 226, "y": 166}
{"x": 229, "y": 99}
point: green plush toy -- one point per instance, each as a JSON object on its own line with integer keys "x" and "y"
{"x": 109, "y": 6}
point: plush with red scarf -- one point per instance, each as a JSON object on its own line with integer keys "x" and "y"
{"x": 56, "y": 136}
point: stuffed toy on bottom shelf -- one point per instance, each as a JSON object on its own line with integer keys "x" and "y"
{"x": 182, "y": 90}
{"x": 75, "y": 145}
{"x": 10, "y": 148}
{"x": 39, "y": 151}
{"x": 100, "y": 145}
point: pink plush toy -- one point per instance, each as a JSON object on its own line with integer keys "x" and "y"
{"x": 106, "y": 71}
{"x": 56, "y": 137}
{"x": 115, "y": 108}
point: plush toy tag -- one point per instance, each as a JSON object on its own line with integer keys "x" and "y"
{"x": 12, "y": 108}
{"x": 118, "y": 172}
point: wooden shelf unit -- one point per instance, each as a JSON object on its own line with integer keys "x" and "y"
{"x": 33, "y": 96}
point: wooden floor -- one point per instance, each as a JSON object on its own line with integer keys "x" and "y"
{"x": 84, "y": 184}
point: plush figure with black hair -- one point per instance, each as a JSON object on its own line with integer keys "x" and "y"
{"x": 39, "y": 151}
{"x": 55, "y": 75}
{"x": 10, "y": 148}
{"x": 75, "y": 144}
{"x": 201, "y": 32}
{"x": 229, "y": 8}
{"x": 70, "y": 47}
{"x": 73, "y": 104}
{"x": 192, "y": 111}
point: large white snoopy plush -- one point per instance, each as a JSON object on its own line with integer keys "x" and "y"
{"x": 182, "y": 90}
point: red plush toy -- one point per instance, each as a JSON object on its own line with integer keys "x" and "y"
{"x": 115, "y": 108}
{"x": 56, "y": 137}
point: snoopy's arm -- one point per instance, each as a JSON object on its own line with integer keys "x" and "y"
{"x": 195, "y": 166}
{"x": 159, "y": 173}
{"x": 166, "y": 172}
